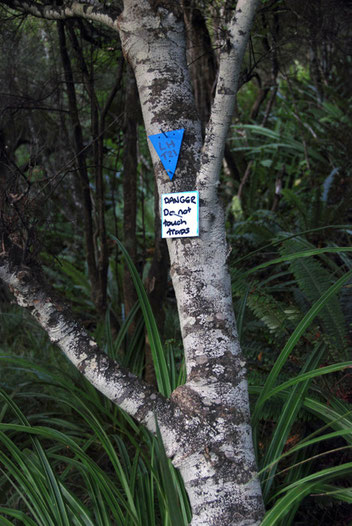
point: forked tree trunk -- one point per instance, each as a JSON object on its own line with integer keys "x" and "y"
{"x": 206, "y": 424}
{"x": 220, "y": 476}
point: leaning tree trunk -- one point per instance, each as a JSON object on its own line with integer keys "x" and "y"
{"x": 205, "y": 425}
{"x": 219, "y": 474}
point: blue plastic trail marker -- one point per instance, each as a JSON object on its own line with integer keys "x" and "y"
{"x": 168, "y": 145}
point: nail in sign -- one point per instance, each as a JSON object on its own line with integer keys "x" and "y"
{"x": 180, "y": 214}
{"x": 168, "y": 145}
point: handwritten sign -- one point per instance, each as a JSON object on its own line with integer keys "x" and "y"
{"x": 168, "y": 145}
{"x": 180, "y": 214}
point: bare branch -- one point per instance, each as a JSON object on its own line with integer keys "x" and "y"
{"x": 183, "y": 433}
{"x": 73, "y": 9}
{"x": 236, "y": 35}
{"x": 126, "y": 390}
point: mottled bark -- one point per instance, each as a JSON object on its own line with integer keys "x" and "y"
{"x": 184, "y": 433}
{"x": 220, "y": 479}
{"x": 203, "y": 66}
{"x": 95, "y": 11}
{"x": 206, "y": 424}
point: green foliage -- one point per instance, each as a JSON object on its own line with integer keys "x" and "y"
{"x": 292, "y": 297}
{"x": 161, "y": 369}
{"x": 304, "y": 144}
{"x": 81, "y": 461}
{"x": 68, "y": 455}
{"x": 313, "y": 280}
{"x": 292, "y": 482}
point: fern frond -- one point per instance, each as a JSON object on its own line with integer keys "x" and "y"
{"x": 313, "y": 280}
{"x": 273, "y": 313}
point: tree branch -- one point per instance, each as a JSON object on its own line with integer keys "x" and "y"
{"x": 183, "y": 433}
{"x": 96, "y": 11}
{"x": 126, "y": 390}
{"x": 231, "y": 56}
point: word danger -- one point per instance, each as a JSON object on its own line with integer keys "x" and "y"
{"x": 180, "y": 214}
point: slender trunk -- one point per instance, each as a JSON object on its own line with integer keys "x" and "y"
{"x": 80, "y": 158}
{"x": 97, "y": 134}
{"x": 200, "y": 58}
{"x": 130, "y": 162}
{"x": 202, "y": 65}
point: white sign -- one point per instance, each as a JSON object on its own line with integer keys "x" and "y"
{"x": 180, "y": 214}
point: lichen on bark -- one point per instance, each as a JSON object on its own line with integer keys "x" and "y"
{"x": 205, "y": 425}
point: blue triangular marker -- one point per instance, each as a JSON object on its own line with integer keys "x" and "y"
{"x": 168, "y": 145}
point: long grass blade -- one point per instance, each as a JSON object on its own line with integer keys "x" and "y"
{"x": 161, "y": 370}
{"x": 302, "y": 254}
{"x": 18, "y": 515}
{"x": 282, "y": 239}
{"x": 284, "y": 505}
{"x": 176, "y": 518}
{"x": 287, "y": 417}
{"x": 297, "y": 333}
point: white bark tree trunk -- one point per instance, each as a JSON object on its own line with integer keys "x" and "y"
{"x": 220, "y": 478}
{"x": 206, "y": 424}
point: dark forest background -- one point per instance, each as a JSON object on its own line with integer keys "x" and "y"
{"x": 75, "y": 173}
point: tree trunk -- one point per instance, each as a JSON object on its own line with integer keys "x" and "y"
{"x": 219, "y": 476}
{"x": 130, "y": 189}
{"x": 205, "y": 425}
{"x": 200, "y": 57}
{"x": 82, "y": 171}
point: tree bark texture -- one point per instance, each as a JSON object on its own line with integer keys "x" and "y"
{"x": 205, "y": 425}
{"x": 220, "y": 479}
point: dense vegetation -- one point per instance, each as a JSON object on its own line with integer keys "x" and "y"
{"x": 74, "y": 156}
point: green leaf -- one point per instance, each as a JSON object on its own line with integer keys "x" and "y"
{"x": 298, "y": 255}
{"x": 297, "y": 333}
{"x": 161, "y": 369}
{"x": 176, "y": 518}
{"x": 287, "y": 417}
{"x": 284, "y": 505}
{"x": 16, "y": 514}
